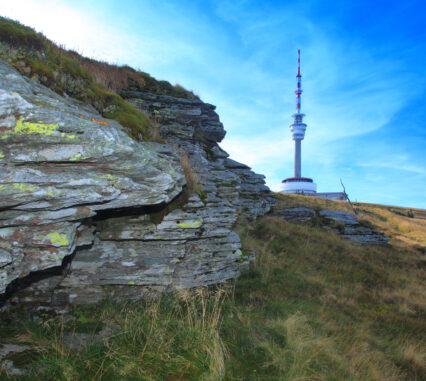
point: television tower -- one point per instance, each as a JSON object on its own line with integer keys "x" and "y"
{"x": 298, "y": 184}
{"x": 298, "y": 128}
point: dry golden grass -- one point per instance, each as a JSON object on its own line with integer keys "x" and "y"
{"x": 414, "y": 355}
{"x": 346, "y": 311}
{"x": 192, "y": 182}
{"x": 403, "y": 225}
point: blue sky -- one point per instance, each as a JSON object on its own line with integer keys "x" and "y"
{"x": 363, "y": 76}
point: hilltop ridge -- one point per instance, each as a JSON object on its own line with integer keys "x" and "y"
{"x": 85, "y": 79}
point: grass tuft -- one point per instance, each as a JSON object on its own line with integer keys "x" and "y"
{"x": 192, "y": 182}
{"x": 171, "y": 337}
{"x": 16, "y": 34}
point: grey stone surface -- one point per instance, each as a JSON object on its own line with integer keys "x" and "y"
{"x": 83, "y": 207}
{"x": 58, "y": 167}
{"x": 6, "y": 364}
{"x": 342, "y": 223}
{"x": 195, "y": 127}
{"x": 350, "y": 228}
{"x": 302, "y": 214}
{"x": 339, "y": 216}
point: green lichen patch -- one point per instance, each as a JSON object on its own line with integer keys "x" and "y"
{"x": 77, "y": 157}
{"x": 55, "y": 238}
{"x": 112, "y": 179}
{"x": 52, "y": 192}
{"x": 191, "y": 224}
{"x": 58, "y": 239}
{"x": 15, "y": 187}
{"x": 26, "y": 128}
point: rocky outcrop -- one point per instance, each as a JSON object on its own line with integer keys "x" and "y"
{"x": 344, "y": 224}
{"x": 194, "y": 127}
{"x": 348, "y": 226}
{"x": 86, "y": 212}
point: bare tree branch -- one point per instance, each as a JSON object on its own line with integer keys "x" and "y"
{"x": 347, "y": 197}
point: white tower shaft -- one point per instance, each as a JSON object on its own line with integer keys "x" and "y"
{"x": 298, "y": 127}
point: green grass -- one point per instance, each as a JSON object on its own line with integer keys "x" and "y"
{"x": 171, "y": 338}
{"x": 312, "y": 306}
{"x": 358, "y": 312}
{"x": 16, "y": 34}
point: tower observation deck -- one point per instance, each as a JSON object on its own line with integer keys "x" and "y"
{"x": 298, "y": 184}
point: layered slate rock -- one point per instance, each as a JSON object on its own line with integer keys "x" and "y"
{"x": 301, "y": 214}
{"x": 344, "y": 224}
{"x": 89, "y": 213}
{"x": 350, "y": 228}
{"x": 195, "y": 127}
{"x": 193, "y": 244}
{"x": 61, "y": 163}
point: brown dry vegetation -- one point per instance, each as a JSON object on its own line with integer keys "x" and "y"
{"x": 192, "y": 182}
{"x": 90, "y": 81}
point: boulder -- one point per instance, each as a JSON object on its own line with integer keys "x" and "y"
{"x": 61, "y": 163}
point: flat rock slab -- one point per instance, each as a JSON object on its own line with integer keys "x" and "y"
{"x": 302, "y": 214}
{"x": 344, "y": 218}
{"x": 342, "y": 223}
{"x": 352, "y": 229}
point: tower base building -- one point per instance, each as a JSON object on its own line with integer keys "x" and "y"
{"x": 300, "y": 185}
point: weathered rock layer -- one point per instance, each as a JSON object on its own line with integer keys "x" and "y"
{"x": 344, "y": 224}
{"x": 87, "y": 212}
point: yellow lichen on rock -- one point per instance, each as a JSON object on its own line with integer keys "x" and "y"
{"x": 77, "y": 156}
{"x": 190, "y": 225}
{"x": 24, "y": 187}
{"x": 69, "y": 136}
{"x": 58, "y": 239}
{"x": 52, "y": 193}
{"x": 26, "y": 128}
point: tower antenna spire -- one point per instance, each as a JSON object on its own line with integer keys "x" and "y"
{"x": 299, "y": 83}
{"x": 298, "y": 62}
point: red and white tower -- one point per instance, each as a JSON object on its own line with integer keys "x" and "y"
{"x": 298, "y": 184}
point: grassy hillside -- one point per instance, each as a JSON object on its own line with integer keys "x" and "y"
{"x": 319, "y": 307}
{"x": 312, "y": 306}
{"x": 90, "y": 81}
{"x": 402, "y": 225}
